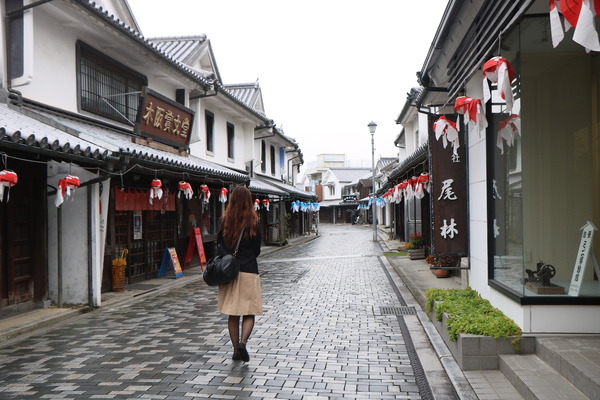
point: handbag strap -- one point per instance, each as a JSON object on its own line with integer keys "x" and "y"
{"x": 238, "y": 242}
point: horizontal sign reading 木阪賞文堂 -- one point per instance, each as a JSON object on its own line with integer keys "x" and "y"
{"x": 164, "y": 120}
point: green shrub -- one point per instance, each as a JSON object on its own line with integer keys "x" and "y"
{"x": 469, "y": 313}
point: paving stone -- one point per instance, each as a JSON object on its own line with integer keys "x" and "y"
{"x": 318, "y": 338}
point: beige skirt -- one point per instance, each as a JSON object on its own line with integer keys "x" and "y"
{"x": 243, "y": 296}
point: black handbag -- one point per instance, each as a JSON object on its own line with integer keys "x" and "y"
{"x": 222, "y": 269}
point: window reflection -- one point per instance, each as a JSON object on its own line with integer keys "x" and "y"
{"x": 546, "y": 188}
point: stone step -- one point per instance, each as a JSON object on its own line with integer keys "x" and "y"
{"x": 534, "y": 379}
{"x": 492, "y": 384}
{"x": 576, "y": 358}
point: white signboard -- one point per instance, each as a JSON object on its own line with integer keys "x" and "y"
{"x": 583, "y": 256}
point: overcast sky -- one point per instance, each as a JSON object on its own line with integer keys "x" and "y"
{"x": 326, "y": 67}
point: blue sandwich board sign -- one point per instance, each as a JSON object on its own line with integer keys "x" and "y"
{"x": 170, "y": 260}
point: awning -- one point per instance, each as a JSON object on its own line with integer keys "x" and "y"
{"x": 292, "y": 192}
{"x": 418, "y": 156}
{"x": 330, "y": 203}
{"x": 259, "y": 186}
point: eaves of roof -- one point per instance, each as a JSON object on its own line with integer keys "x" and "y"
{"x": 437, "y": 44}
{"x": 292, "y": 191}
{"x": 69, "y": 136}
{"x": 151, "y": 157}
{"x": 21, "y": 132}
{"x": 418, "y": 156}
{"x": 414, "y": 94}
{"x": 399, "y": 138}
{"x": 220, "y": 88}
{"x": 180, "y": 48}
{"x": 259, "y": 186}
{"x": 142, "y": 41}
{"x": 246, "y": 92}
{"x": 173, "y": 54}
{"x": 330, "y": 203}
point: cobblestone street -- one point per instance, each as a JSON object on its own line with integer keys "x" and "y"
{"x": 324, "y": 334}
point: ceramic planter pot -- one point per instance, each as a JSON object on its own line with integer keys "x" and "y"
{"x": 440, "y": 273}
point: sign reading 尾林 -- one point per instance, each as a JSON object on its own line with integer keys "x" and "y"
{"x": 164, "y": 120}
{"x": 449, "y": 190}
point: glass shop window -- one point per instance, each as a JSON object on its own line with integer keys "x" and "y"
{"x": 412, "y": 220}
{"x": 543, "y": 186}
{"x": 107, "y": 87}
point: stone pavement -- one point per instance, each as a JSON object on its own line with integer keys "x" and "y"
{"x": 338, "y": 323}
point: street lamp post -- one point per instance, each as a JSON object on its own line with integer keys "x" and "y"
{"x": 372, "y": 126}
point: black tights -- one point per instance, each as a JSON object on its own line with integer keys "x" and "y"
{"x": 234, "y": 329}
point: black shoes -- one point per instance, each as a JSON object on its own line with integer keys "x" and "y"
{"x": 236, "y": 356}
{"x": 242, "y": 352}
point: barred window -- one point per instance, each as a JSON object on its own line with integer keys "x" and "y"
{"x": 107, "y": 87}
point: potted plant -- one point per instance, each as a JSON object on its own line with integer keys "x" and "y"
{"x": 440, "y": 266}
{"x": 414, "y": 246}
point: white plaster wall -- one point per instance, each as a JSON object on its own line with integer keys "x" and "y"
{"x": 510, "y": 308}
{"x": 243, "y": 148}
{"x": 565, "y": 319}
{"x": 476, "y": 179}
{"x": 100, "y": 226}
{"x": 410, "y": 129}
{"x": 55, "y": 64}
{"x": 74, "y": 240}
{"x": 423, "y": 126}
{"x": 244, "y": 144}
{"x": 52, "y": 66}
{"x": 28, "y": 69}
{"x": 278, "y": 170}
{"x": 256, "y": 155}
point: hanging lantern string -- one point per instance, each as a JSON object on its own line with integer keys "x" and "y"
{"x": 6, "y": 157}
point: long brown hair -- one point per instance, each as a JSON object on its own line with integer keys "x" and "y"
{"x": 239, "y": 213}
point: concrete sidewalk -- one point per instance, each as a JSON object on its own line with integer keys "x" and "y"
{"x": 416, "y": 273}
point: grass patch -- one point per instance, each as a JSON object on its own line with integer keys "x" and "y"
{"x": 394, "y": 253}
{"x": 469, "y": 313}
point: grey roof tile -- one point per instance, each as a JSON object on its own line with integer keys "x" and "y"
{"x": 349, "y": 174}
{"x": 121, "y": 141}
{"x": 290, "y": 190}
{"x": 247, "y": 93}
{"x": 20, "y": 128}
{"x": 258, "y": 185}
{"x": 97, "y": 141}
{"x": 181, "y": 48}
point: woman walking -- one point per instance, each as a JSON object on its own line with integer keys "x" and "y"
{"x": 242, "y": 297}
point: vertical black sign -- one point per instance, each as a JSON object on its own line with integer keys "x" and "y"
{"x": 447, "y": 149}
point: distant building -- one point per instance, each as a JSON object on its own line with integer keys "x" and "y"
{"x": 338, "y": 187}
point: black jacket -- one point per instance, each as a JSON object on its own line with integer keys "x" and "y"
{"x": 248, "y": 251}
